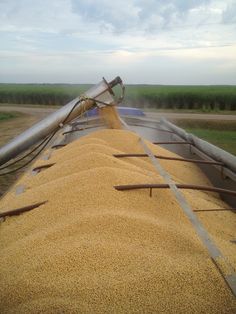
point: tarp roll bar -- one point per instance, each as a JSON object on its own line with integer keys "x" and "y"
{"x": 211, "y": 150}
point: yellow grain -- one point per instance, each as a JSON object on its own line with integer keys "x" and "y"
{"x": 110, "y": 117}
{"x": 80, "y": 163}
{"x": 92, "y": 249}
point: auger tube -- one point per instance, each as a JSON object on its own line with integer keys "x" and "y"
{"x": 102, "y": 91}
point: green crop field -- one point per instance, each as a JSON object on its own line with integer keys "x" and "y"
{"x": 40, "y": 94}
{"x": 219, "y": 133}
{"x": 202, "y": 98}
{"x": 8, "y": 115}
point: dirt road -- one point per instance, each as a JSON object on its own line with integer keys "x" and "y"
{"x": 30, "y": 110}
{"x": 42, "y": 112}
{"x": 8, "y": 130}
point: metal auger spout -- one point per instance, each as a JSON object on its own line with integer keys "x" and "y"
{"x": 102, "y": 92}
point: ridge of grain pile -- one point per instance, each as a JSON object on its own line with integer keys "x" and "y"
{"x": 92, "y": 249}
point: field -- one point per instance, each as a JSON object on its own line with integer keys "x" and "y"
{"x": 8, "y": 115}
{"x": 191, "y": 99}
{"x": 12, "y": 124}
{"x": 201, "y": 98}
{"x": 219, "y": 133}
{"x": 40, "y": 94}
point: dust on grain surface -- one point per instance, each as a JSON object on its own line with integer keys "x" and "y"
{"x": 93, "y": 249}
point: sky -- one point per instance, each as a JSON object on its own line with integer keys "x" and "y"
{"x": 143, "y": 41}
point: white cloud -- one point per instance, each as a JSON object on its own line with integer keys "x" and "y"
{"x": 58, "y": 39}
{"x": 229, "y": 14}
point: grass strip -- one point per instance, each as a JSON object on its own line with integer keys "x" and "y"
{"x": 8, "y": 115}
{"x": 219, "y": 133}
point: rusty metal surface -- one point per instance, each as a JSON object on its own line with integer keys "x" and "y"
{"x": 173, "y": 142}
{"x": 58, "y": 146}
{"x": 39, "y": 168}
{"x": 180, "y": 186}
{"x": 21, "y": 210}
{"x": 214, "y": 210}
{"x": 197, "y": 161}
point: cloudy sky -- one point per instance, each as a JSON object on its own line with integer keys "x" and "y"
{"x": 143, "y": 41}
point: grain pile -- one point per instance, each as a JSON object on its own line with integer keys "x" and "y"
{"x": 92, "y": 249}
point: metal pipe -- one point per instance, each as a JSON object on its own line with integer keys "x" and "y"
{"x": 173, "y": 142}
{"x": 21, "y": 210}
{"x": 58, "y": 146}
{"x": 197, "y": 161}
{"x": 39, "y": 168}
{"x": 82, "y": 129}
{"x": 101, "y": 91}
{"x": 210, "y": 150}
{"x": 152, "y": 127}
{"x": 180, "y": 186}
{"x": 214, "y": 210}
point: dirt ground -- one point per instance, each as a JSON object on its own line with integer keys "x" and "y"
{"x": 42, "y": 112}
{"x": 12, "y": 127}
{"x": 34, "y": 111}
{"x": 8, "y": 130}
